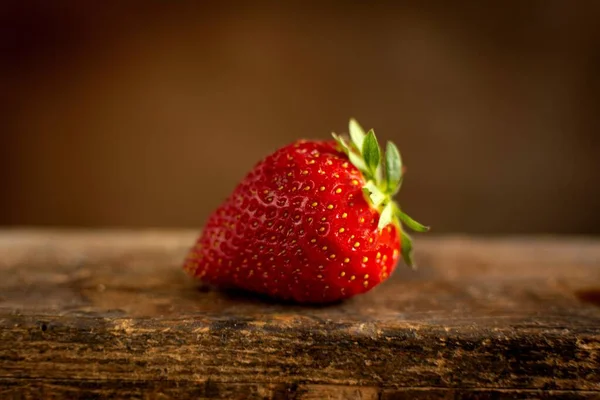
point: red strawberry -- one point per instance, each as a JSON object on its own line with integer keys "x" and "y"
{"x": 313, "y": 222}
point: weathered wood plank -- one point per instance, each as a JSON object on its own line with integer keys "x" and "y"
{"x": 94, "y": 314}
{"x": 53, "y": 389}
{"x": 57, "y": 389}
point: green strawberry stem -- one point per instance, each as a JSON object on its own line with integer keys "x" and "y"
{"x": 383, "y": 172}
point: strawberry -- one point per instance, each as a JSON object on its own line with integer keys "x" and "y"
{"x": 314, "y": 222}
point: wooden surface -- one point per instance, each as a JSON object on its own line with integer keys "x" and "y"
{"x": 111, "y": 314}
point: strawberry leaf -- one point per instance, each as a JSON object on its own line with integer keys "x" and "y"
{"x": 386, "y": 217}
{"x": 374, "y": 195}
{"x": 407, "y": 249}
{"x": 357, "y": 161}
{"x": 393, "y": 166}
{"x": 371, "y": 152}
{"x": 379, "y": 176}
{"x": 357, "y": 134}
{"x": 341, "y": 142}
{"x": 411, "y": 223}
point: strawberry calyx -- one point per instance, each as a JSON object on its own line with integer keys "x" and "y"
{"x": 383, "y": 172}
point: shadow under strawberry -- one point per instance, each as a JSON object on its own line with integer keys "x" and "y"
{"x": 246, "y": 297}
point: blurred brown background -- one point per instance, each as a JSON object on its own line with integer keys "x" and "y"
{"x": 148, "y": 113}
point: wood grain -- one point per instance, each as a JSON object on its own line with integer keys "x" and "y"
{"x": 110, "y": 314}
